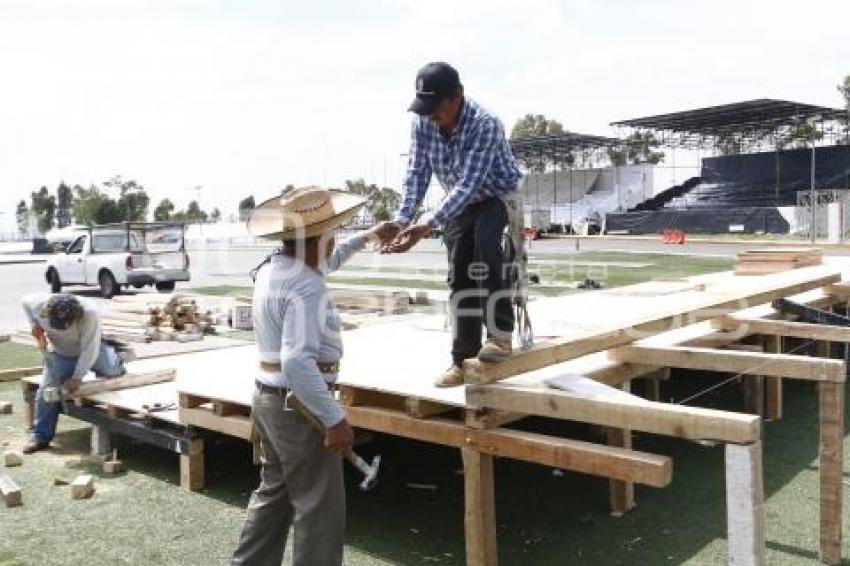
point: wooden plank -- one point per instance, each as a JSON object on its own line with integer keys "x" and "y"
{"x": 10, "y": 491}
{"x": 422, "y": 408}
{"x": 88, "y": 388}
{"x": 745, "y": 504}
{"x": 483, "y": 418}
{"x": 17, "y": 373}
{"x": 566, "y": 454}
{"x": 233, "y": 425}
{"x": 831, "y": 417}
{"x": 480, "y": 508}
{"x": 351, "y": 396}
{"x": 708, "y": 306}
{"x": 639, "y": 414}
{"x": 746, "y": 363}
{"x": 753, "y": 325}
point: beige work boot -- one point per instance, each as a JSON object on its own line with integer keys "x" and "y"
{"x": 452, "y": 377}
{"x": 494, "y": 350}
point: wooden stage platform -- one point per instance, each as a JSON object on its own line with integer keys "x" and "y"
{"x": 589, "y": 347}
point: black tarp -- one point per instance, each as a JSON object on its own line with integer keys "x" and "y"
{"x": 766, "y": 179}
{"x": 701, "y": 221}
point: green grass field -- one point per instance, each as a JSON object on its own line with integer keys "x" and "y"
{"x": 660, "y": 265}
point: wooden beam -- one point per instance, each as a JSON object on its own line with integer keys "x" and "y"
{"x": 480, "y": 508}
{"x": 752, "y": 325}
{"x": 567, "y": 454}
{"x": 423, "y": 408}
{"x": 17, "y": 373}
{"x": 710, "y": 306}
{"x": 489, "y": 418}
{"x": 745, "y": 504}
{"x": 831, "y": 416}
{"x": 88, "y": 388}
{"x": 232, "y": 425}
{"x": 639, "y": 414}
{"x": 746, "y": 363}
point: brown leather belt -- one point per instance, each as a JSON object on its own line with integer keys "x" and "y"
{"x": 324, "y": 367}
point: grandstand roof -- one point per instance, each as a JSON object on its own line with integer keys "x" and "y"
{"x": 739, "y": 117}
{"x": 561, "y": 144}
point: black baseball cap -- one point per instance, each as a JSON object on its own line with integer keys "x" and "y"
{"x": 434, "y": 83}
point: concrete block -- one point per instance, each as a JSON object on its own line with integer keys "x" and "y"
{"x": 113, "y": 467}
{"x": 12, "y": 458}
{"x": 82, "y": 487}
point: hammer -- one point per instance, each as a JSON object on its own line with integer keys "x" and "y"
{"x": 369, "y": 471}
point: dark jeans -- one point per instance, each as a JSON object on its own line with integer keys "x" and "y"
{"x": 477, "y": 277}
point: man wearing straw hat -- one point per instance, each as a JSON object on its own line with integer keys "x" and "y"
{"x": 297, "y": 332}
{"x": 465, "y": 147}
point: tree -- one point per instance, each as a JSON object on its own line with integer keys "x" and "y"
{"x": 64, "y": 202}
{"x": 535, "y": 125}
{"x": 844, "y": 89}
{"x": 215, "y": 216}
{"x": 133, "y": 199}
{"x": 22, "y": 217}
{"x": 380, "y": 202}
{"x": 639, "y": 147}
{"x": 246, "y": 205}
{"x": 163, "y": 210}
{"x": 89, "y": 204}
{"x": 194, "y": 213}
{"x": 44, "y": 208}
{"x": 799, "y": 136}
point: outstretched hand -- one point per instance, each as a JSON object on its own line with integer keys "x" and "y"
{"x": 385, "y": 231}
{"x": 406, "y": 239}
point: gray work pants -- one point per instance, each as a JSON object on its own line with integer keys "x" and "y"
{"x": 300, "y": 479}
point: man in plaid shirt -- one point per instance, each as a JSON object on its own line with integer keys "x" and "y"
{"x": 465, "y": 147}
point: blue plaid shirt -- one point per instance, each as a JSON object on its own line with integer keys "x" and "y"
{"x": 472, "y": 164}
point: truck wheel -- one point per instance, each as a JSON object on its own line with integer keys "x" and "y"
{"x": 165, "y": 286}
{"x": 53, "y": 280}
{"x": 108, "y": 286}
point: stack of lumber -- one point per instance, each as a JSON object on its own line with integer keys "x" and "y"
{"x": 143, "y": 318}
{"x": 385, "y": 302}
{"x": 774, "y": 260}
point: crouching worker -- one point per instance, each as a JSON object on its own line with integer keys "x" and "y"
{"x": 71, "y": 328}
{"x": 297, "y": 332}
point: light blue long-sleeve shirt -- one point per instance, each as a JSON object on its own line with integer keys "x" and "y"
{"x": 297, "y": 325}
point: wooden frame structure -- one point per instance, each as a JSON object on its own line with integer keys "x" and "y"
{"x": 673, "y": 325}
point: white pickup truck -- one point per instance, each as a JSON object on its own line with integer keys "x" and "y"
{"x": 127, "y": 254}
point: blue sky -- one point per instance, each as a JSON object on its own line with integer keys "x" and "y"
{"x": 245, "y": 97}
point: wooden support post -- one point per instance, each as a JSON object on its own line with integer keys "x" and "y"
{"x": 29, "y": 403}
{"x": 652, "y": 383}
{"x": 480, "y": 514}
{"x": 192, "y": 467}
{"x": 754, "y": 394}
{"x": 831, "y": 415}
{"x": 100, "y": 443}
{"x": 621, "y": 494}
{"x": 744, "y": 504}
{"x": 773, "y": 387}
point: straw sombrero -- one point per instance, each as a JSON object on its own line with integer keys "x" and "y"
{"x": 303, "y": 213}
